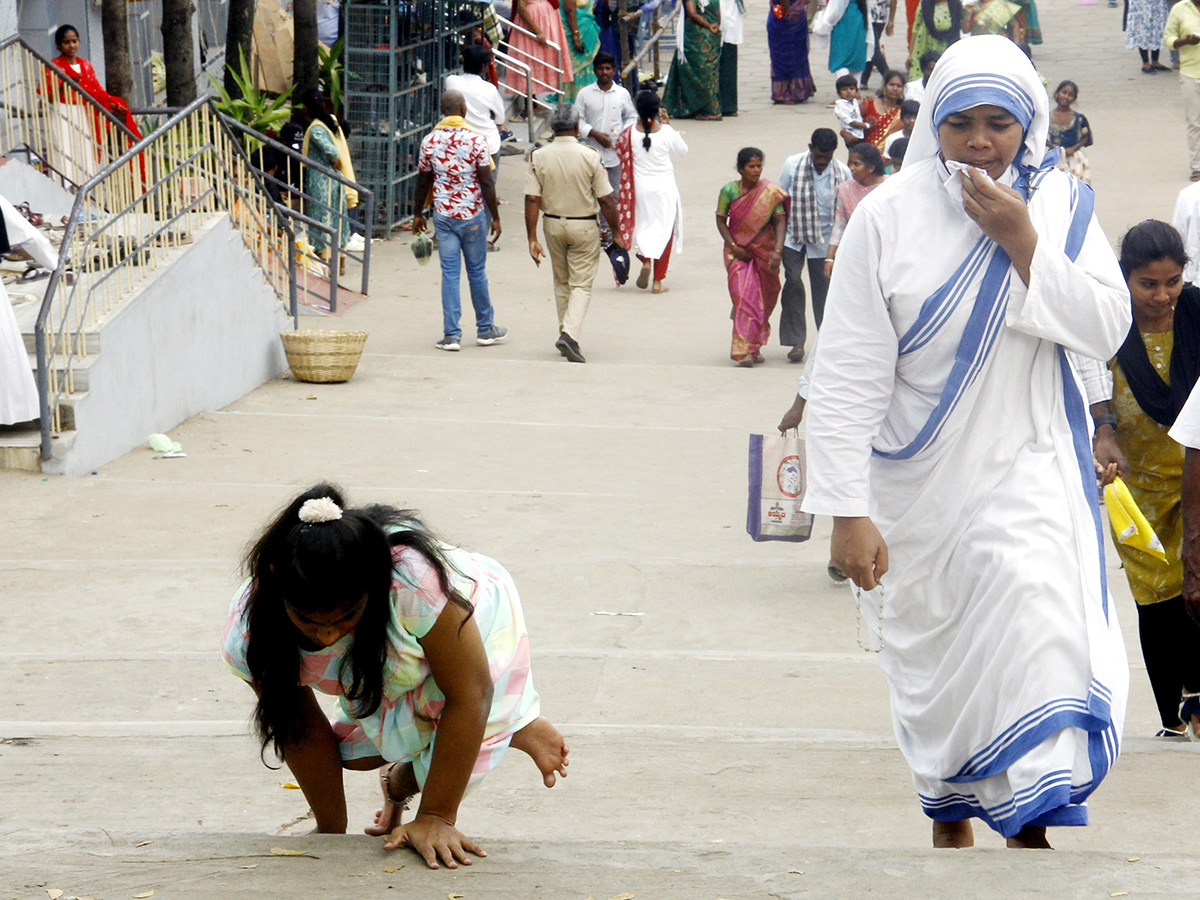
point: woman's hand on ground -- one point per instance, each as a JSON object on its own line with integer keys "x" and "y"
{"x": 436, "y": 841}
{"x": 858, "y": 550}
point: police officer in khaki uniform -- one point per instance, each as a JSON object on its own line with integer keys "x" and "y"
{"x": 566, "y": 180}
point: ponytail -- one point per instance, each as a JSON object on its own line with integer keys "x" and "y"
{"x": 648, "y": 106}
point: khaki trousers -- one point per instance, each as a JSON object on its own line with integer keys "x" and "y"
{"x": 1191, "y": 111}
{"x": 573, "y": 246}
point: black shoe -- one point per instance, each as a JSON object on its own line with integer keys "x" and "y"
{"x": 567, "y": 347}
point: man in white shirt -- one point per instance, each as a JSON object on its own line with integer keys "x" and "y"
{"x": 732, "y": 13}
{"x": 605, "y": 110}
{"x": 485, "y": 106}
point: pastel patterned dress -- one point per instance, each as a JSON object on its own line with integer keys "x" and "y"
{"x": 404, "y": 727}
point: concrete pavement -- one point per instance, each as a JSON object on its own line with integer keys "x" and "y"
{"x": 730, "y": 741}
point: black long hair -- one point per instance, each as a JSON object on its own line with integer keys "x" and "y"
{"x": 951, "y": 34}
{"x": 648, "y": 106}
{"x": 1149, "y": 241}
{"x": 321, "y": 567}
{"x": 314, "y": 105}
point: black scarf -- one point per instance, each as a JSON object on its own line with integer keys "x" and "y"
{"x": 1160, "y": 401}
{"x": 5, "y": 246}
{"x": 951, "y": 34}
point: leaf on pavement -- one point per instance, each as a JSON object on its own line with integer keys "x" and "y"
{"x": 248, "y": 867}
{"x": 289, "y": 785}
{"x": 99, "y": 853}
{"x": 149, "y": 893}
{"x": 54, "y": 893}
{"x": 279, "y": 851}
{"x": 621, "y": 897}
{"x": 391, "y": 869}
{"x": 143, "y": 843}
{"x": 454, "y": 897}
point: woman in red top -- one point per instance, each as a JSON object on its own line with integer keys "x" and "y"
{"x": 79, "y": 70}
{"x": 885, "y": 111}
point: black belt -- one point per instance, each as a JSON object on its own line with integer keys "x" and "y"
{"x": 570, "y": 218}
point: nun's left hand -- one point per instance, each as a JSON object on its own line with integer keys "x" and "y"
{"x": 1001, "y": 214}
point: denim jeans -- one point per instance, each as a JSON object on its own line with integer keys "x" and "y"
{"x": 465, "y": 238}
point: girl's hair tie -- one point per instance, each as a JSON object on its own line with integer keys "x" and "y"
{"x": 320, "y": 509}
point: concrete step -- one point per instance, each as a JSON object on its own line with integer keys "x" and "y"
{"x": 91, "y": 342}
{"x": 80, "y": 367}
{"x": 20, "y": 446}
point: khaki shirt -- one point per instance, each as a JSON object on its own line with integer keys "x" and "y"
{"x": 568, "y": 176}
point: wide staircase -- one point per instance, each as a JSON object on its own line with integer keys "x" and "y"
{"x": 176, "y": 268}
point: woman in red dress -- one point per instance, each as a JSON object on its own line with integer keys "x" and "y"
{"x": 79, "y": 70}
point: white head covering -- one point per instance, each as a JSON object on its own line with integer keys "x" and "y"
{"x": 986, "y": 69}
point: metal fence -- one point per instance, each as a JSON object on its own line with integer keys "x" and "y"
{"x": 126, "y": 222}
{"x": 398, "y": 53}
{"x": 50, "y": 122}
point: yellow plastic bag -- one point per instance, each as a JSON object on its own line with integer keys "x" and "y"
{"x": 1128, "y": 524}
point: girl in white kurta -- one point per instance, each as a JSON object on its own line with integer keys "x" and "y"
{"x": 949, "y": 438}
{"x": 650, "y": 209}
{"x": 18, "y": 393}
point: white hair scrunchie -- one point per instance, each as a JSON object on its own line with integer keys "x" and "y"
{"x": 320, "y": 509}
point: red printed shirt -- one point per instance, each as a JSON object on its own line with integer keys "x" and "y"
{"x": 454, "y": 155}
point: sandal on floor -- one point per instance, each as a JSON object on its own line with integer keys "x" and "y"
{"x": 1189, "y": 710}
{"x": 33, "y": 273}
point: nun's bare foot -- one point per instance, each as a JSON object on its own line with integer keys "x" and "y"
{"x": 953, "y": 834}
{"x": 546, "y": 747}
{"x": 1029, "y": 838}
{"x": 401, "y": 784}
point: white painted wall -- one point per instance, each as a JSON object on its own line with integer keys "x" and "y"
{"x": 201, "y": 334}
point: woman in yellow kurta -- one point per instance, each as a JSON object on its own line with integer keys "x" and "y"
{"x": 1153, "y": 373}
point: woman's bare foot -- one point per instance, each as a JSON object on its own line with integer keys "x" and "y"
{"x": 401, "y": 784}
{"x": 659, "y": 288}
{"x": 546, "y": 747}
{"x": 953, "y": 834}
{"x": 643, "y": 279}
{"x": 1030, "y": 837}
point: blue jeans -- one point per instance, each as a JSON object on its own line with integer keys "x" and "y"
{"x": 465, "y": 238}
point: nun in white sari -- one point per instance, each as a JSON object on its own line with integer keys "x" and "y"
{"x": 949, "y": 436}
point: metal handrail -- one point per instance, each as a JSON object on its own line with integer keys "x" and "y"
{"x": 334, "y": 233}
{"x": 144, "y": 151}
{"x": 652, "y": 41}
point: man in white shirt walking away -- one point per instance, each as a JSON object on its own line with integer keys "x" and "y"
{"x": 485, "y": 106}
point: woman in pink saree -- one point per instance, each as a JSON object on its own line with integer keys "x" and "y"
{"x": 752, "y": 220}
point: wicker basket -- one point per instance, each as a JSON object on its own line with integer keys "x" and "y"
{"x": 323, "y": 356}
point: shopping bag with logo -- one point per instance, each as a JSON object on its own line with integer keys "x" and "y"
{"x": 777, "y": 489}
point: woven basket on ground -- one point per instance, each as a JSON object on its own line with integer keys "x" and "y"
{"x": 323, "y": 356}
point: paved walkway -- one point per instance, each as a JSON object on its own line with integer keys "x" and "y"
{"x": 730, "y": 740}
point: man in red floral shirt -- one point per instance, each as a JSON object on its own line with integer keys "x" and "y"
{"x": 455, "y": 162}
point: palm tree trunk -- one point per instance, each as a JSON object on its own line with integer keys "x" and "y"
{"x": 306, "y": 73}
{"x": 238, "y": 36}
{"x": 118, "y": 75}
{"x": 177, "y": 51}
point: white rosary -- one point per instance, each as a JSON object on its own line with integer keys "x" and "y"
{"x": 858, "y": 621}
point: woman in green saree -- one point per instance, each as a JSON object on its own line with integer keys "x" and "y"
{"x": 692, "y": 91}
